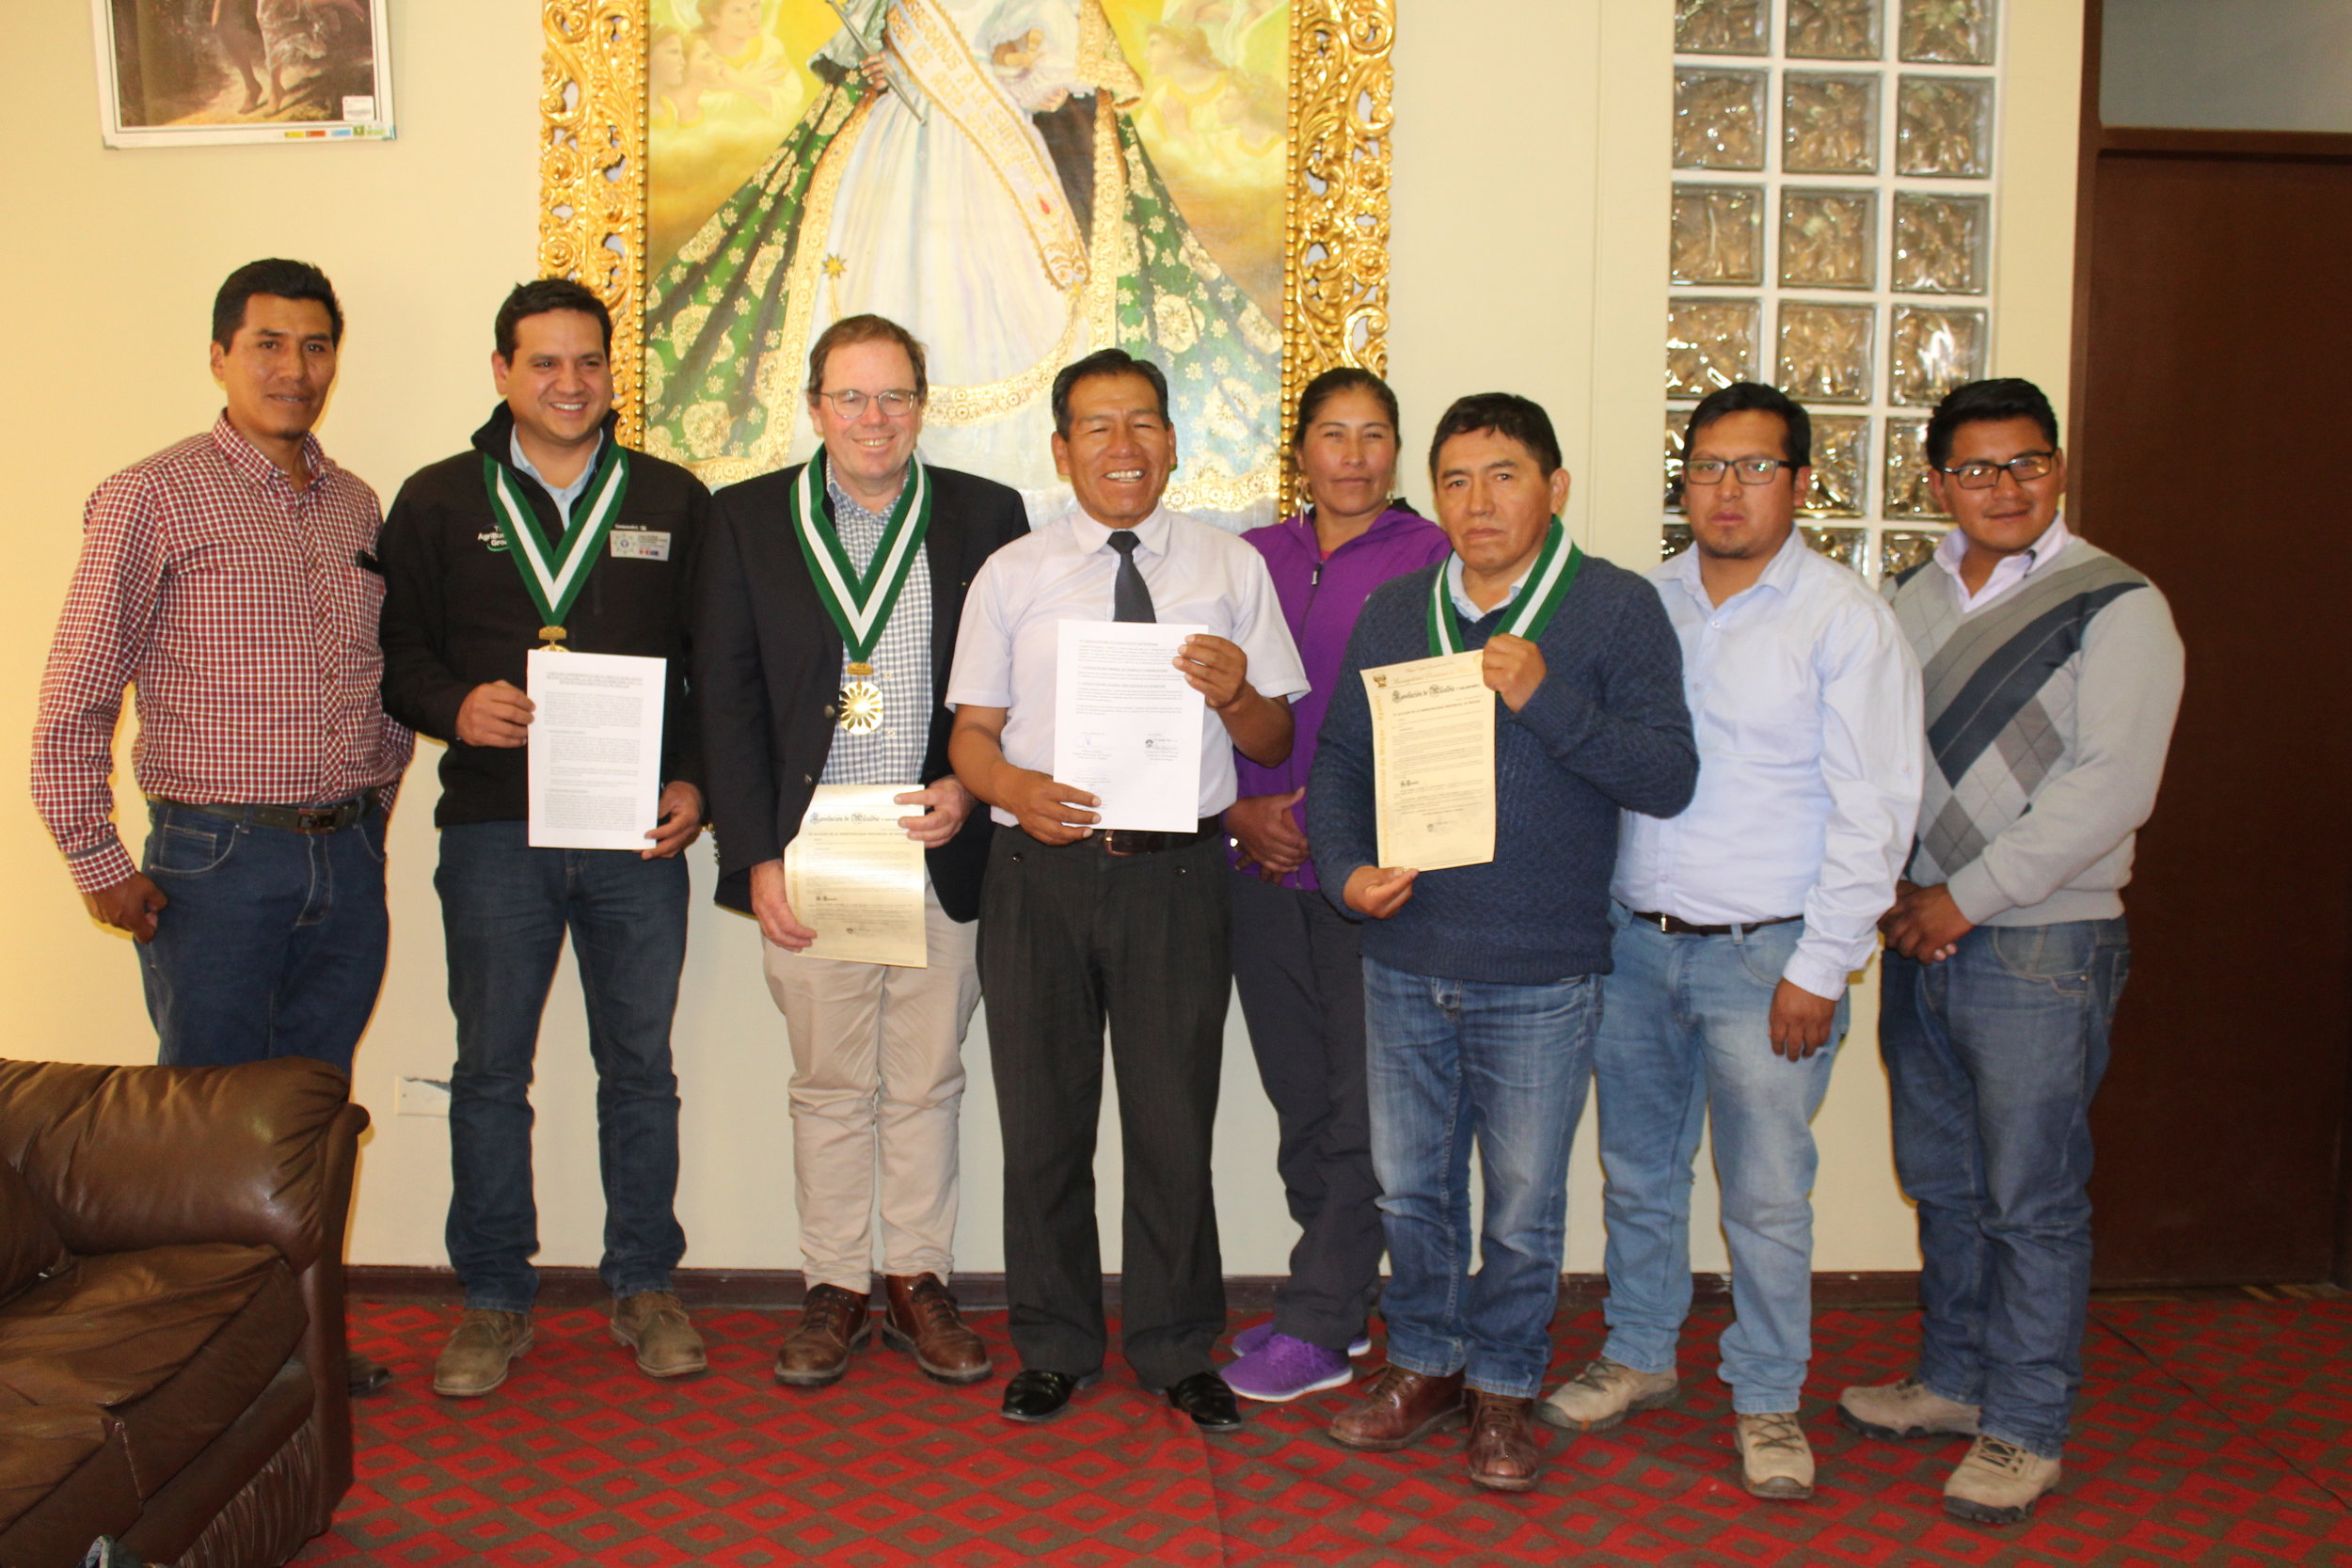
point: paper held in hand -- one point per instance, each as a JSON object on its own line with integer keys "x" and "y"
{"x": 595, "y": 749}
{"x": 855, "y": 877}
{"x": 1126, "y": 726}
{"x": 1433, "y": 757}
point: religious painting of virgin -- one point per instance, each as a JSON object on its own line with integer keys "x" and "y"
{"x": 173, "y": 73}
{"x": 1020, "y": 182}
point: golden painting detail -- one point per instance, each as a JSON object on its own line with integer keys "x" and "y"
{"x": 1019, "y": 181}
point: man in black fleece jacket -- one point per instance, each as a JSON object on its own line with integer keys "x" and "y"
{"x": 1480, "y": 1001}
{"x": 463, "y": 606}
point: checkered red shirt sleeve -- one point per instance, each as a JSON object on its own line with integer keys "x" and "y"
{"x": 238, "y": 611}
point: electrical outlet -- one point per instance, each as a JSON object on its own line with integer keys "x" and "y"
{"x": 421, "y": 1097}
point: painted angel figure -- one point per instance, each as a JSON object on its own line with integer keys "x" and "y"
{"x": 979, "y": 179}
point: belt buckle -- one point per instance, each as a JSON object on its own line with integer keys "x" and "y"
{"x": 1665, "y": 923}
{"x": 315, "y": 819}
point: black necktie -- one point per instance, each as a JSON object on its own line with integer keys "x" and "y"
{"x": 1131, "y": 597}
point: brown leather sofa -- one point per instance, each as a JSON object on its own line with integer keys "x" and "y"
{"x": 171, "y": 1309}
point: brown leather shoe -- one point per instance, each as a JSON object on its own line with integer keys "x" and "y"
{"x": 1398, "y": 1410}
{"x": 921, "y": 1319}
{"x": 834, "y": 1322}
{"x": 1501, "y": 1453}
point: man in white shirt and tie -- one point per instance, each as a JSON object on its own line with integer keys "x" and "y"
{"x": 1080, "y": 925}
{"x": 1738, "y": 923}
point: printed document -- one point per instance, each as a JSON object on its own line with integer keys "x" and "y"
{"x": 595, "y": 749}
{"x": 1126, "y": 726}
{"x": 1432, "y": 756}
{"x": 855, "y": 877}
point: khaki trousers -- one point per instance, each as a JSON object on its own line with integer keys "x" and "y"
{"x": 877, "y": 1085}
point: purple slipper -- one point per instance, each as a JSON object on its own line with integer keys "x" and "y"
{"x": 1257, "y": 1333}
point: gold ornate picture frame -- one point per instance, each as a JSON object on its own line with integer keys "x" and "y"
{"x": 1335, "y": 262}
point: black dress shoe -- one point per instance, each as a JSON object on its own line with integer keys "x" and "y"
{"x": 1205, "y": 1396}
{"x": 1036, "y": 1395}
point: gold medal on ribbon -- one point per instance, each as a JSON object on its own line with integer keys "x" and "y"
{"x": 861, "y": 701}
{"x": 551, "y": 637}
{"x": 858, "y": 603}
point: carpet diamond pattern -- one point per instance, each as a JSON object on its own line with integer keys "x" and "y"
{"x": 2210, "y": 1432}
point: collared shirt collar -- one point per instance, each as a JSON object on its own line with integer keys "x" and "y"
{"x": 1093, "y": 537}
{"x": 1462, "y": 600}
{"x": 1953, "y": 549}
{"x": 247, "y": 459}
{"x": 1779, "y": 574}
{"x": 567, "y": 493}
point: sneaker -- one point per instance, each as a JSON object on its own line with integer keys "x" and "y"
{"x": 1905, "y": 1410}
{"x": 1776, "y": 1461}
{"x": 655, "y": 1325}
{"x": 475, "y": 1359}
{"x": 1997, "y": 1483}
{"x": 1282, "y": 1368}
{"x": 1604, "y": 1394}
{"x": 1257, "y": 1333}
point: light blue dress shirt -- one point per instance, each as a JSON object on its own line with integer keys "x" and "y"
{"x": 569, "y": 493}
{"x": 1804, "y": 699}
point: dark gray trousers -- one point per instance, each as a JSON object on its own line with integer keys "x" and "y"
{"x": 1071, "y": 937}
{"x": 1300, "y": 973}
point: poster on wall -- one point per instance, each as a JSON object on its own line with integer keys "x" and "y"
{"x": 1019, "y": 181}
{"x": 184, "y": 72}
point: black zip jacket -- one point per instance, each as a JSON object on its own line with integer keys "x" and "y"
{"x": 457, "y": 614}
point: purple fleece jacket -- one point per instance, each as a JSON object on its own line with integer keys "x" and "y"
{"x": 1321, "y": 599}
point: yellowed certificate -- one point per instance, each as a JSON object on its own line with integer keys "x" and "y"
{"x": 1432, "y": 756}
{"x": 856, "y": 878}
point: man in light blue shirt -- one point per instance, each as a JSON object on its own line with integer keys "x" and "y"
{"x": 1738, "y": 923}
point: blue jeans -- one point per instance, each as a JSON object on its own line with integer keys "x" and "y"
{"x": 1684, "y": 1040}
{"x": 1993, "y": 1057}
{"x": 504, "y": 910}
{"x": 271, "y": 944}
{"x": 1450, "y": 1061}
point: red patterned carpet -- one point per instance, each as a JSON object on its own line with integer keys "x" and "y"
{"x": 2213, "y": 1432}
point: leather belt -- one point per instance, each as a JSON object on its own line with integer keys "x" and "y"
{"x": 293, "y": 819}
{"x": 1674, "y": 928}
{"x": 1144, "y": 841}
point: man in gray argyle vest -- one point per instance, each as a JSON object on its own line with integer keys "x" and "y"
{"x": 2052, "y": 674}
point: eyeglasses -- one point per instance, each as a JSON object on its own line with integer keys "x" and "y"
{"x": 1983, "y": 476}
{"x": 851, "y": 403}
{"x": 1752, "y": 470}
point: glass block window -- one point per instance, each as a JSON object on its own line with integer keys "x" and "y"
{"x": 1832, "y": 234}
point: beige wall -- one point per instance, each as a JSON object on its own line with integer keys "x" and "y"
{"x": 1530, "y": 218}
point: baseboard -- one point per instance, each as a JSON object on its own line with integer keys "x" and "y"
{"x": 781, "y": 1289}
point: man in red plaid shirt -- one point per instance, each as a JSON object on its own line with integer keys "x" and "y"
{"x": 230, "y": 582}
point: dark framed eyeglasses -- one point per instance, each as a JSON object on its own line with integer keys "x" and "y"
{"x": 1983, "y": 476}
{"x": 1752, "y": 470}
{"x": 850, "y": 402}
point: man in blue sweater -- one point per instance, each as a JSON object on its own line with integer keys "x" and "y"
{"x": 1480, "y": 1002}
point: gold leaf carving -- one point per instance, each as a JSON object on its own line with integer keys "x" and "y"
{"x": 592, "y": 193}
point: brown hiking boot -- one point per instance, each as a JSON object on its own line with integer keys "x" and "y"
{"x": 921, "y": 1319}
{"x": 1502, "y": 1454}
{"x": 1998, "y": 1483}
{"x": 1398, "y": 1410}
{"x": 654, "y": 1323}
{"x": 474, "y": 1360}
{"x": 834, "y": 1322}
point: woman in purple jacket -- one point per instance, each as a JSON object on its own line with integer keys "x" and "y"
{"x": 1294, "y": 954}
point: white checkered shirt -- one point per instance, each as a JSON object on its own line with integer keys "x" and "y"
{"x": 236, "y": 608}
{"x": 892, "y": 753}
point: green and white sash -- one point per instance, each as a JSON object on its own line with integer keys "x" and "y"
{"x": 860, "y": 606}
{"x": 553, "y": 573}
{"x": 1548, "y": 583}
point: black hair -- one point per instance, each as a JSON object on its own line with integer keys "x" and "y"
{"x": 281, "y": 280}
{"x": 1507, "y": 414}
{"x": 2008, "y": 397}
{"x": 540, "y": 296}
{"x": 1746, "y": 397}
{"x": 1103, "y": 362}
{"x": 1330, "y": 384}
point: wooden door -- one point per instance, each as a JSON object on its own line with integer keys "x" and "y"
{"x": 2212, "y": 449}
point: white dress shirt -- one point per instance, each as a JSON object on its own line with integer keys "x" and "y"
{"x": 2008, "y": 572}
{"x": 1008, "y": 644}
{"x": 1804, "y": 699}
